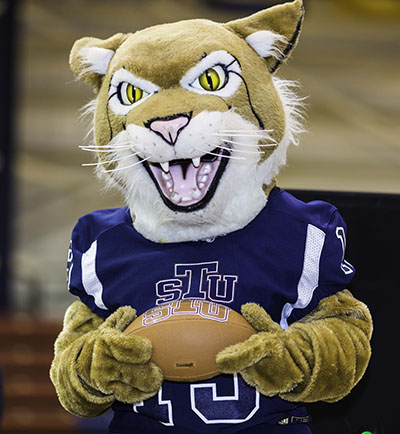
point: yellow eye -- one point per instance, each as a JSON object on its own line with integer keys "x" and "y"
{"x": 129, "y": 94}
{"x": 133, "y": 93}
{"x": 213, "y": 79}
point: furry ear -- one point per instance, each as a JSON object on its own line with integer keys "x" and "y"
{"x": 272, "y": 32}
{"x": 90, "y": 58}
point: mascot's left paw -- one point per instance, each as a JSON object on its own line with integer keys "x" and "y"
{"x": 319, "y": 358}
{"x": 263, "y": 360}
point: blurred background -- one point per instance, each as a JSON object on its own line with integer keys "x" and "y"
{"x": 347, "y": 62}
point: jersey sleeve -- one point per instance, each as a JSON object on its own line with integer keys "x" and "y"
{"x": 335, "y": 271}
{"x": 82, "y": 279}
{"x": 325, "y": 269}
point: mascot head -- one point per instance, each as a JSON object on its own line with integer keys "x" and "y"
{"x": 190, "y": 121}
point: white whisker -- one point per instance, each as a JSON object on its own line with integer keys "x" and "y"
{"x": 240, "y": 135}
{"x": 249, "y": 145}
{"x": 246, "y": 144}
{"x": 245, "y": 131}
{"x": 127, "y": 167}
{"x": 220, "y": 155}
{"x": 112, "y": 145}
{"x": 119, "y": 143}
{"x": 105, "y": 148}
{"x": 239, "y": 150}
{"x": 100, "y": 163}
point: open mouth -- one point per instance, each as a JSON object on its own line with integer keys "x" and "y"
{"x": 188, "y": 184}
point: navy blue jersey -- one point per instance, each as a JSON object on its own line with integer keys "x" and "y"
{"x": 287, "y": 259}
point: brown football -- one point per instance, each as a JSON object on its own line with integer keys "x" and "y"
{"x": 188, "y": 334}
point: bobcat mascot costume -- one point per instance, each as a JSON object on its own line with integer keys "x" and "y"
{"x": 192, "y": 125}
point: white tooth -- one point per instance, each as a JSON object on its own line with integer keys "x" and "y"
{"x": 204, "y": 178}
{"x": 196, "y": 193}
{"x": 175, "y": 197}
{"x": 186, "y": 199}
{"x": 206, "y": 169}
{"x": 201, "y": 185}
{"x": 165, "y": 167}
{"x": 170, "y": 184}
{"x": 166, "y": 176}
{"x": 196, "y": 162}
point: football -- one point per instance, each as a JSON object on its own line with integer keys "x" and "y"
{"x": 188, "y": 334}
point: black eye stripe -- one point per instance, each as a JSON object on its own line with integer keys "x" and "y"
{"x": 119, "y": 93}
{"x": 260, "y": 122}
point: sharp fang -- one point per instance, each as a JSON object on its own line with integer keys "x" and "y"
{"x": 196, "y": 162}
{"x": 165, "y": 167}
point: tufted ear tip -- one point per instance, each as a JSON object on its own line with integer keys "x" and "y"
{"x": 90, "y": 58}
{"x": 272, "y": 33}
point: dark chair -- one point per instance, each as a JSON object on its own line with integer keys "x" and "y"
{"x": 1, "y": 399}
{"x": 373, "y": 247}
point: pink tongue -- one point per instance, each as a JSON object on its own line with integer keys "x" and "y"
{"x": 188, "y": 190}
{"x": 184, "y": 186}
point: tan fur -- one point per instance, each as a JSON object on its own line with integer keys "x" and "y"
{"x": 79, "y": 68}
{"x": 162, "y": 56}
{"x": 95, "y": 363}
{"x": 163, "y": 45}
{"x": 171, "y": 62}
{"x": 281, "y": 19}
{"x": 320, "y": 358}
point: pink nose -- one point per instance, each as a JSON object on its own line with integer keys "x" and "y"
{"x": 169, "y": 129}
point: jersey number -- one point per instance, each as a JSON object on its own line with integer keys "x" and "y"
{"x": 210, "y": 406}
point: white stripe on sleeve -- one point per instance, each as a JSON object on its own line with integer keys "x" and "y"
{"x": 90, "y": 280}
{"x": 309, "y": 277}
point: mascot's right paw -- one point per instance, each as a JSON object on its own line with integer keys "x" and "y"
{"x": 111, "y": 363}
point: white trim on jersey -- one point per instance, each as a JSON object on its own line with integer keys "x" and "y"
{"x": 161, "y": 401}
{"x": 168, "y": 403}
{"x": 310, "y": 275}
{"x": 90, "y": 280}
{"x": 346, "y": 267}
{"x": 216, "y": 398}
